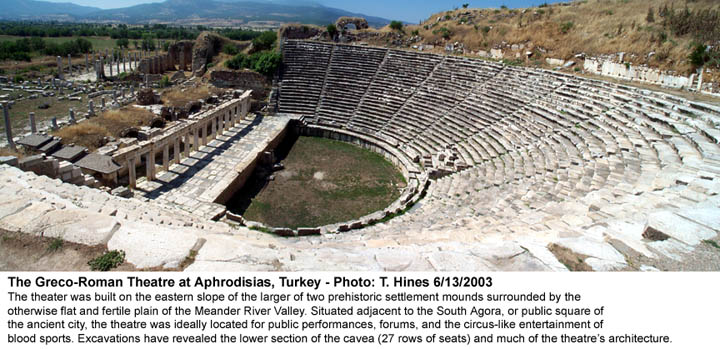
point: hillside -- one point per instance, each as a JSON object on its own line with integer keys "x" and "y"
{"x": 21, "y": 9}
{"x": 590, "y": 27}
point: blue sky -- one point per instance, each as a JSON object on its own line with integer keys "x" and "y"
{"x": 406, "y": 10}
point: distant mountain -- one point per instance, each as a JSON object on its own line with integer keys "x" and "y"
{"x": 20, "y": 9}
{"x": 278, "y": 11}
{"x": 281, "y": 11}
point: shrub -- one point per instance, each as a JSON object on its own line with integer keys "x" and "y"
{"x": 237, "y": 62}
{"x": 332, "y": 30}
{"x": 503, "y": 7}
{"x": 55, "y": 244}
{"x": 565, "y": 27}
{"x": 650, "y": 18}
{"x": 396, "y": 25}
{"x": 702, "y": 56}
{"x": 164, "y": 82}
{"x": 486, "y": 29}
{"x": 18, "y": 79}
{"x": 444, "y": 32}
{"x": 415, "y": 32}
{"x": 107, "y": 261}
{"x": 230, "y": 49}
{"x": 266, "y": 62}
{"x": 265, "y": 41}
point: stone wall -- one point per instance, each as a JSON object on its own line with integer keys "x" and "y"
{"x": 156, "y": 64}
{"x": 244, "y": 80}
{"x": 647, "y": 75}
{"x": 181, "y": 54}
{"x": 299, "y": 31}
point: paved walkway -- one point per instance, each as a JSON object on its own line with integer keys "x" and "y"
{"x": 195, "y": 183}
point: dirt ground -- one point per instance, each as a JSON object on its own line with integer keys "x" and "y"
{"x": 324, "y": 182}
{"x": 22, "y": 252}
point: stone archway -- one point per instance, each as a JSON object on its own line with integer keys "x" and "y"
{"x": 358, "y": 22}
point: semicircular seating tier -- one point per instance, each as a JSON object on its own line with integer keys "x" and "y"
{"x": 520, "y": 150}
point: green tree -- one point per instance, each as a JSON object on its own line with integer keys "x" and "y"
{"x": 465, "y": 5}
{"x": 332, "y": 30}
{"x": 396, "y": 25}
{"x": 148, "y": 43}
{"x": 268, "y": 63}
{"x": 122, "y": 43}
{"x": 699, "y": 55}
{"x": 265, "y": 41}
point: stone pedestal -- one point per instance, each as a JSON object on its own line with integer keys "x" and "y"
{"x": 33, "y": 126}
{"x": 8, "y": 127}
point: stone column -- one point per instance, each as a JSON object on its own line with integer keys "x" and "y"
{"x": 166, "y": 157}
{"x": 124, "y": 60}
{"x": 187, "y": 145}
{"x": 196, "y": 138}
{"x": 131, "y": 172}
{"x": 33, "y": 127}
{"x": 204, "y": 134}
{"x": 111, "y": 74}
{"x": 245, "y": 108}
{"x": 118, "y": 65}
{"x": 54, "y": 123}
{"x": 72, "y": 116}
{"x": 8, "y": 127}
{"x": 102, "y": 102}
{"x": 150, "y": 164}
{"x": 214, "y": 127}
{"x": 176, "y": 150}
{"x": 91, "y": 108}
{"x": 69, "y": 65}
{"x": 98, "y": 70}
{"x": 59, "y": 67}
{"x": 87, "y": 62}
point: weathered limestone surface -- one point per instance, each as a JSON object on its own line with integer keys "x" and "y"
{"x": 147, "y": 245}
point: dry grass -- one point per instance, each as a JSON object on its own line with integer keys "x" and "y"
{"x": 177, "y": 97}
{"x": 91, "y": 133}
{"x": 599, "y": 27}
{"x": 10, "y": 152}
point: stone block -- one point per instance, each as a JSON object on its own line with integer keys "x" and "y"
{"x": 152, "y": 245}
{"x": 28, "y": 162}
{"x": 9, "y": 160}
